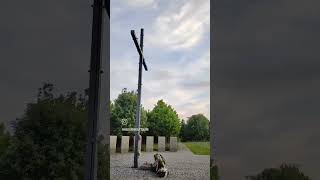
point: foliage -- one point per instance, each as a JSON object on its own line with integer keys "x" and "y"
{"x": 4, "y": 139}
{"x": 197, "y": 129}
{"x": 285, "y": 172}
{"x": 124, "y": 107}
{"x": 49, "y": 140}
{"x": 182, "y": 130}
{"x": 163, "y": 120}
{"x": 199, "y": 148}
{"x": 214, "y": 171}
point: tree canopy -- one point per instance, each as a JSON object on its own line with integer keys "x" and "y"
{"x": 284, "y": 172}
{"x": 163, "y": 120}
{"x": 124, "y": 108}
{"x": 197, "y": 128}
{"x": 49, "y": 140}
{"x": 4, "y": 139}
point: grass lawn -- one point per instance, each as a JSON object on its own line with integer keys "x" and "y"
{"x": 199, "y": 148}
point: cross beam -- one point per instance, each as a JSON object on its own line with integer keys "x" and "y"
{"x": 139, "y": 49}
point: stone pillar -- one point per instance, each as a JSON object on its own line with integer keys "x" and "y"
{"x": 149, "y": 144}
{"x": 139, "y": 145}
{"x": 113, "y": 144}
{"x": 161, "y": 143}
{"x": 173, "y": 144}
{"x": 124, "y": 144}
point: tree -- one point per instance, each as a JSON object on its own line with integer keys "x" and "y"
{"x": 182, "y": 130}
{"x": 284, "y": 172}
{"x": 49, "y": 140}
{"x": 197, "y": 128}
{"x": 123, "y": 112}
{"x": 4, "y": 139}
{"x": 163, "y": 120}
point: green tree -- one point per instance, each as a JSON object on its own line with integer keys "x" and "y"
{"x": 197, "y": 128}
{"x": 182, "y": 130}
{"x": 163, "y": 120}
{"x": 49, "y": 141}
{"x": 4, "y": 139}
{"x": 284, "y": 172}
{"x": 124, "y": 108}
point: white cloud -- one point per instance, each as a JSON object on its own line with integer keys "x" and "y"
{"x": 181, "y": 27}
{"x": 186, "y": 88}
{"x": 140, "y": 3}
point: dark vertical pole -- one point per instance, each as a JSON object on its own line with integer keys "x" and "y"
{"x": 138, "y": 114}
{"x": 94, "y": 91}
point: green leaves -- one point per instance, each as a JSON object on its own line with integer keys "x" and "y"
{"x": 284, "y": 172}
{"x": 124, "y": 107}
{"x": 197, "y": 128}
{"x": 49, "y": 140}
{"x": 163, "y": 120}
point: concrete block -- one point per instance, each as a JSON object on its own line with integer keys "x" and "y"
{"x": 124, "y": 144}
{"x": 161, "y": 143}
{"x": 149, "y": 144}
{"x": 173, "y": 144}
{"x": 113, "y": 144}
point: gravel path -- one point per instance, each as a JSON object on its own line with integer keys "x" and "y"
{"x": 181, "y": 165}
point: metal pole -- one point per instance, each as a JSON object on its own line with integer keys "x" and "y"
{"x": 138, "y": 114}
{"x": 94, "y": 91}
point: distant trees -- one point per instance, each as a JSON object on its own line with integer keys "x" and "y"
{"x": 284, "y": 172}
{"x": 196, "y": 129}
{"x": 163, "y": 120}
{"x": 123, "y": 112}
{"x": 182, "y": 130}
{"x": 49, "y": 140}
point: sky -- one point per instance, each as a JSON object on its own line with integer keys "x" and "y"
{"x": 176, "y": 49}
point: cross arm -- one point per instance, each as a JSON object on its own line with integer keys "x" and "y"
{"x": 138, "y": 49}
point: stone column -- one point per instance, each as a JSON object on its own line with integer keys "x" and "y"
{"x": 113, "y": 144}
{"x": 149, "y": 144}
{"x": 173, "y": 144}
{"x": 161, "y": 143}
{"x": 124, "y": 144}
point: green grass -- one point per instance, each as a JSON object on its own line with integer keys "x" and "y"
{"x": 199, "y": 148}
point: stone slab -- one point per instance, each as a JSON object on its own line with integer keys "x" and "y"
{"x": 173, "y": 144}
{"x": 149, "y": 144}
{"x": 161, "y": 143}
{"x": 113, "y": 144}
{"x": 124, "y": 144}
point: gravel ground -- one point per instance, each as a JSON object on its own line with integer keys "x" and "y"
{"x": 181, "y": 165}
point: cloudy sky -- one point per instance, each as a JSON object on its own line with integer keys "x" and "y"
{"x": 176, "y": 48}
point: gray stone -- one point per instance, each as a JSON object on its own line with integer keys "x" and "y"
{"x": 161, "y": 143}
{"x": 149, "y": 144}
{"x": 173, "y": 144}
{"x": 139, "y": 145}
{"x": 124, "y": 144}
{"x": 113, "y": 144}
